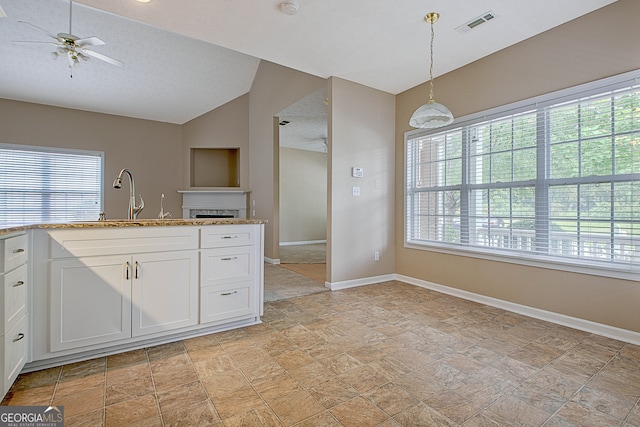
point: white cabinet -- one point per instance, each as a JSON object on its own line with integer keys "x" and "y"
{"x": 109, "y": 289}
{"x": 230, "y": 273}
{"x": 13, "y": 307}
{"x": 164, "y": 292}
{"x": 109, "y": 298}
{"x": 90, "y": 301}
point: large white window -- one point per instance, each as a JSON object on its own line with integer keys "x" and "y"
{"x": 43, "y": 185}
{"x": 555, "y": 179}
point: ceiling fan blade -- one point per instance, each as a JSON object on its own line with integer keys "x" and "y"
{"x": 102, "y": 57}
{"x": 90, "y": 41}
{"x": 29, "y": 42}
{"x": 39, "y": 29}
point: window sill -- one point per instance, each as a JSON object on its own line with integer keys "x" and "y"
{"x": 541, "y": 262}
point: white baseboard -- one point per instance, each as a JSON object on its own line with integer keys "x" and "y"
{"x": 305, "y": 242}
{"x": 334, "y": 286}
{"x": 271, "y": 261}
{"x": 549, "y": 316}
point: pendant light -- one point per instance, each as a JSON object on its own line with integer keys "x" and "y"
{"x": 432, "y": 114}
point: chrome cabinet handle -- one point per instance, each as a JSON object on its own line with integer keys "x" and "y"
{"x": 224, "y": 294}
{"x": 17, "y": 251}
{"x": 19, "y": 283}
{"x": 228, "y": 259}
{"x": 137, "y": 276}
{"x": 229, "y": 237}
{"x": 127, "y": 266}
{"x": 18, "y": 337}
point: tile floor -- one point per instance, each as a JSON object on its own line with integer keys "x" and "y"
{"x": 390, "y": 354}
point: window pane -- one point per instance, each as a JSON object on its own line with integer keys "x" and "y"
{"x": 596, "y": 157}
{"x": 580, "y": 200}
{"x": 39, "y": 186}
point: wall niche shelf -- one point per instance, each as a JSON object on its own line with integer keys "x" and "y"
{"x": 215, "y": 167}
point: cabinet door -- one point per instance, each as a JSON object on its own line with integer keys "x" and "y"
{"x": 164, "y": 291}
{"x": 90, "y": 301}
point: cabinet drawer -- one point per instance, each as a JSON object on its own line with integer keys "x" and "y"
{"x": 227, "y": 265}
{"x": 15, "y": 352}
{"x": 14, "y": 304}
{"x": 125, "y": 240}
{"x": 15, "y": 252}
{"x": 220, "y": 236}
{"x": 218, "y": 303}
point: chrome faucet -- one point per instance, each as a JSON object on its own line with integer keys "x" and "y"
{"x": 133, "y": 209}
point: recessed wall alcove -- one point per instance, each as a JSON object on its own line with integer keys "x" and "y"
{"x": 215, "y": 167}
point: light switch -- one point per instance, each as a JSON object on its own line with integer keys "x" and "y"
{"x": 356, "y": 191}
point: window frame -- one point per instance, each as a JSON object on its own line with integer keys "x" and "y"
{"x": 62, "y": 151}
{"x": 537, "y": 105}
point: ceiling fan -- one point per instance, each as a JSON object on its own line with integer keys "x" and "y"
{"x": 73, "y": 47}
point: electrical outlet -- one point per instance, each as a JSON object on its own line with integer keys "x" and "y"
{"x": 376, "y": 255}
{"x": 356, "y": 191}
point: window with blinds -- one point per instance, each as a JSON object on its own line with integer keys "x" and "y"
{"x": 556, "y": 180}
{"x": 43, "y": 185}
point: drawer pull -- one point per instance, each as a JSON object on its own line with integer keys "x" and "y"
{"x": 224, "y": 294}
{"x": 229, "y": 258}
{"x": 18, "y": 251}
{"x": 19, "y": 283}
{"x": 18, "y": 337}
{"x": 229, "y": 237}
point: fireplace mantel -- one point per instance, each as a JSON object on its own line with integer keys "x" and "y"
{"x": 227, "y": 200}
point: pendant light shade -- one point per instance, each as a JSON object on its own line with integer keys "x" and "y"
{"x": 432, "y": 114}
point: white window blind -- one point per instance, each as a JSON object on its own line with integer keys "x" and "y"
{"x": 556, "y": 181}
{"x": 41, "y": 185}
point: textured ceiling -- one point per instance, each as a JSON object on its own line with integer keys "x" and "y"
{"x": 184, "y": 58}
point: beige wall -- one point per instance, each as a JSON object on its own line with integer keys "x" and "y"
{"x": 225, "y": 127}
{"x": 274, "y": 88}
{"x": 361, "y": 133}
{"x": 597, "y": 45}
{"x": 149, "y": 149}
{"x": 303, "y": 195}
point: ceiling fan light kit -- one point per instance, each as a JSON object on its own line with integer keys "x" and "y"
{"x": 432, "y": 114}
{"x": 73, "y": 47}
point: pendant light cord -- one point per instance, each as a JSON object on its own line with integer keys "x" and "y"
{"x": 431, "y": 65}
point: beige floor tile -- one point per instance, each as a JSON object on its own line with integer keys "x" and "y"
{"x": 91, "y": 419}
{"x": 236, "y": 401}
{"x": 260, "y": 416}
{"x": 133, "y": 357}
{"x": 388, "y": 355}
{"x": 182, "y": 396}
{"x": 333, "y": 392}
{"x": 131, "y": 389}
{"x": 390, "y": 398}
{"x": 358, "y": 412}
{"x": 133, "y": 411}
{"x": 512, "y": 411}
{"x": 423, "y": 415}
{"x": 196, "y": 413}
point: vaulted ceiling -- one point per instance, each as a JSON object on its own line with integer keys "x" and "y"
{"x": 184, "y": 58}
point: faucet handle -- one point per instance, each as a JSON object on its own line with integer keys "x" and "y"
{"x": 140, "y": 206}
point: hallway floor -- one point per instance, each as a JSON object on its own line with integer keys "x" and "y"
{"x": 390, "y": 354}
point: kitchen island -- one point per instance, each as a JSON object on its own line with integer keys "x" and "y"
{"x": 104, "y": 287}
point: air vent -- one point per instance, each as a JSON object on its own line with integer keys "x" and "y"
{"x": 474, "y": 23}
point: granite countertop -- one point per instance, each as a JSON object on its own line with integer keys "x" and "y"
{"x": 135, "y": 223}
